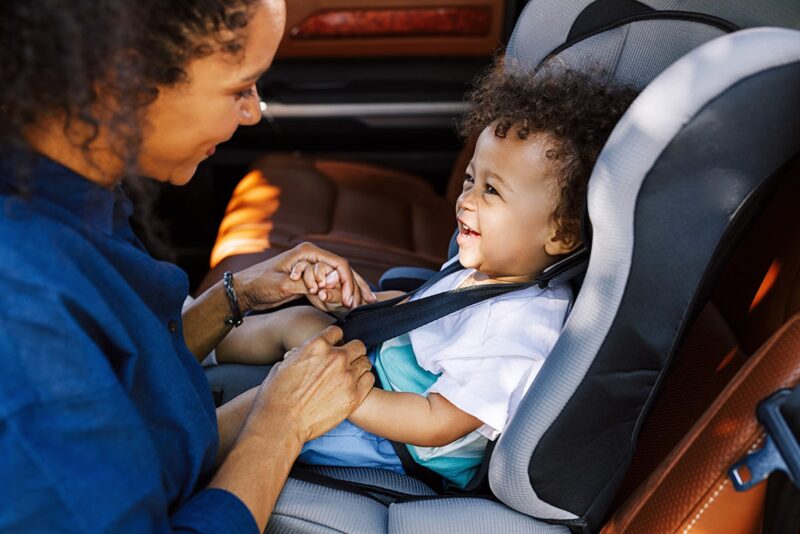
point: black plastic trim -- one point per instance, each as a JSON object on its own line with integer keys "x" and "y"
{"x": 604, "y": 13}
{"x": 688, "y": 16}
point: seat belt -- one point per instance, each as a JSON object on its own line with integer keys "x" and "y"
{"x": 381, "y": 321}
{"x": 778, "y": 459}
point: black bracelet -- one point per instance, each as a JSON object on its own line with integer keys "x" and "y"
{"x": 236, "y": 314}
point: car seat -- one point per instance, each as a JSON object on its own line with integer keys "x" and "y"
{"x": 666, "y": 208}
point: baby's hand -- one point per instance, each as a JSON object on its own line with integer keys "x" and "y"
{"x": 325, "y": 289}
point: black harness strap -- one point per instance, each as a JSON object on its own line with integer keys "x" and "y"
{"x": 375, "y": 323}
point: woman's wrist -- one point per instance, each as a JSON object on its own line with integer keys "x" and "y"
{"x": 240, "y": 288}
{"x": 257, "y": 287}
{"x": 264, "y": 420}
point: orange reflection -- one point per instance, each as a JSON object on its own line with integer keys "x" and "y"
{"x": 247, "y": 223}
{"x": 726, "y": 361}
{"x": 766, "y": 284}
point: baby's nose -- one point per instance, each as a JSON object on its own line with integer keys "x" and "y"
{"x": 466, "y": 200}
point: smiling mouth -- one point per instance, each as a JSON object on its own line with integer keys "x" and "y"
{"x": 466, "y": 230}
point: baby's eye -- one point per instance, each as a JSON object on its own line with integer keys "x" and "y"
{"x": 491, "y": 190}
{"x": 247, "y": 93}
{"x": 468, "y": 178}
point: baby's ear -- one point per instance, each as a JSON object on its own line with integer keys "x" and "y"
{"x": 560, "y": 243}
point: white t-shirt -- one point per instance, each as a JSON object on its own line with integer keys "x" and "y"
{"x": 488, "y": 354}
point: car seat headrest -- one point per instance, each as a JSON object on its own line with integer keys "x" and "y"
{"x": 632, "y": 41}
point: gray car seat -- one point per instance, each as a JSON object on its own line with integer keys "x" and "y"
{"x": 680, "y": 177}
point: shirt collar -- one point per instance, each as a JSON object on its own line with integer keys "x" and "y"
{"x": 48, "y": 181}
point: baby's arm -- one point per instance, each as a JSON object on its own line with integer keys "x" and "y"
{"x": 430, "y": 421}
{"x": 264, "y": 339}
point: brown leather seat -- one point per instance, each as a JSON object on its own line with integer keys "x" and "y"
{"x": 375, "y": 217}
{"x": 690, "y": 491}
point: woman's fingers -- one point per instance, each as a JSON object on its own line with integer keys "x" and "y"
{"x": 318, "y": 383}
{"x": 297, "y": 269}
{"x": 354, "y": 349}
{"x": 365, "y": 380}
{"x": 354, "y": 289}
{"x": 321, "y": 271}
{"x": 366, "y": 291}
{"x": 333, "y": 335}
{"x": 282, "y": 278}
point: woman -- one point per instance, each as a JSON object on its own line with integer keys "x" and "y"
{"x": 106, "y": 419}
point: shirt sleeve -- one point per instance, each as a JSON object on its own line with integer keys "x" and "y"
{"x": 214, "y": 510}
{"x": 484, "y": 389}
{"x": 80, "y": 467}
{"x": 75, "y": 454}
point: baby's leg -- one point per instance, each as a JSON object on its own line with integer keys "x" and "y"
{"x": 350, "y": 445}
{"x": 264, "y": 339}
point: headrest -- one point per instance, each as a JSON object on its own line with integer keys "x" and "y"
{"x": 633, "y": 41}
{"x": 684, "y": 172}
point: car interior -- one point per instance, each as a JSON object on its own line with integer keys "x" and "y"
{"x": 687, "y": 313}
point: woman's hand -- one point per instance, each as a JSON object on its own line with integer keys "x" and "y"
{"x": 324, "y": 286}
{"x": 317, "y": 385}
{"x": 269, "y": 284}
{"x": 310, "y": 392}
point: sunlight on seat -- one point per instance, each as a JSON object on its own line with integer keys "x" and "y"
{"x": 247, "y": 224}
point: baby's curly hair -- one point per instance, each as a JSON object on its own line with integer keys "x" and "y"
{"x": 576, "y": 110}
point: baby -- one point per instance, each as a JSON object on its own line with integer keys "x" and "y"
{"x": 452, "y": 385}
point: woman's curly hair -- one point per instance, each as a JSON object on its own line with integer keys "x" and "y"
{"x": 58, "y": 56}
{"x": 575, "y": 110}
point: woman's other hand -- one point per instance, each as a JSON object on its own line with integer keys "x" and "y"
{"x": 263, "y": 430}
{"x": 317, "y": 385}
{"x": 269, "y": 284}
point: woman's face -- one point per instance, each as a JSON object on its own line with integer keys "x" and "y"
{"x": 187, "y": 121}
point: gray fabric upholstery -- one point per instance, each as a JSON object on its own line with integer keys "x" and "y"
{"x": 658, "y": 44}
{"x": 648, "y": 127}
{"x": 463, "y": 516}
{"x": 305, "y": 507}
{"x": 542, "y": 26}
{"x": 779, "y": 13}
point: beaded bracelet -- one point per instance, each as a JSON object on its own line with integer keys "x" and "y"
{"x": 236, "y": 313}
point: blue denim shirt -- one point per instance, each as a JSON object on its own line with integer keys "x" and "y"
{"x": 106, "y": 419}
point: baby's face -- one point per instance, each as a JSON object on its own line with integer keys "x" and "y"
{"x": 505, "y": 211}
